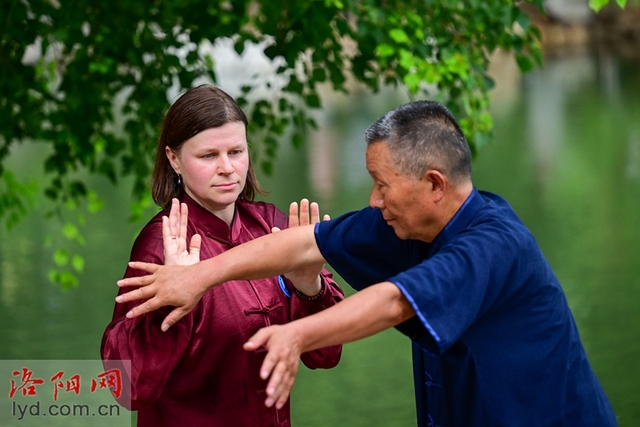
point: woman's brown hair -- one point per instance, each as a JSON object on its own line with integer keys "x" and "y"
{"x": 198, "y": 109}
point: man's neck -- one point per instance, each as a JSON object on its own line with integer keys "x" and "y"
{"x": 452, "y": 204}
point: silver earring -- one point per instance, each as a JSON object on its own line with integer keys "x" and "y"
{"x": 179, "y": 180}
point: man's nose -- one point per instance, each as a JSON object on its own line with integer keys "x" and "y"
{"x": 375, "y": 200}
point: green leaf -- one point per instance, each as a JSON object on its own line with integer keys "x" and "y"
{"x": 526, "y": 63}
{"x": 596, "y": 5}
{"x": 61, "y": 257}
{"x": 413, "y": 82}
{"x": 67, "y": 280}
{"x": 297, "y": 140}
{"x": 312, "y": 100}
{"x": 52, "y": 275}
{"x": 70, "y": 231}
{"x": 319, "y": 74}
{"x": 399, "y": 36}
{"x": 95, "y": 203}
{"x": 383, "y": 50}
{"x": 407, "y": 61}
{"x": 78, "y": 263}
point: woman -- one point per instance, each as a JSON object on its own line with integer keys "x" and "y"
{"x": 197, "y": 373}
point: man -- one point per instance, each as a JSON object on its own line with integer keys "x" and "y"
{"x": 453, "y": 268}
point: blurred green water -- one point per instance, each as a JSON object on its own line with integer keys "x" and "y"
{"x": 566, "y": 155}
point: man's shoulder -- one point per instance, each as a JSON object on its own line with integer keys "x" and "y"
{"x": 497, "y": 208}
{"x": 366, "y": 223}
{"x": 497, "y": 225}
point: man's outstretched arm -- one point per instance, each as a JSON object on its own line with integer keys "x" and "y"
{"x": 183, "y": 286}
{"x": 366, "y": 313}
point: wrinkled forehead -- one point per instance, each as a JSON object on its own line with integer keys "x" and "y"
{"x": 379, "y": 158}
{"x": 377, "y": 151}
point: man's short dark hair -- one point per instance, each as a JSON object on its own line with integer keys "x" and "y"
{"x": 424, "y": 135}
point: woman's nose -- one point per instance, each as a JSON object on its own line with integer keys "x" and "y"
{"x": 224, "y": 165}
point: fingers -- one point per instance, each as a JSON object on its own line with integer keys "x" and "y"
{"x": 137, "y": 265}
{"x": 280, "y": 384}
{"x": 144, "y": 291}
{"x": 293, "y": 215}
{"x": 257, "y": 340}
{"x": 304, "y": 212}
{"x": 280, "y": 364}
{"x": 166, "y": 231}
{"x": 174, "y": 218}
{"x": 194, "y": 245}
{"x": 308, "y": 213}
{"x": 145, "y": 307}
{"x": 184, "y": 215}
{"x": 173, "y": 317}
{"x": 315, "y": 213}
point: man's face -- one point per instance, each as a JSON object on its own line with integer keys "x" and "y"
{"x": 403, "y": 199}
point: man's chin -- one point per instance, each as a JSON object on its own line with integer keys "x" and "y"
{"x": 400, "y": 232}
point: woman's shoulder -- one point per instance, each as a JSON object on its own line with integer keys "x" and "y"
{"x": 153, "y": 228}
{"x": 148, "y": 245}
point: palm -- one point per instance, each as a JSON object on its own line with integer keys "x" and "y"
{"x": 309, "y": 273}
{"x": 174, "y": 236}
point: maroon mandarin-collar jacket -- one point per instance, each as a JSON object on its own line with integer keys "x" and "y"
{"x": 196, "y": 373}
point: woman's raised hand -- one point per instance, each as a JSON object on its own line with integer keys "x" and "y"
{"x": 305, "y": 279}
{"x": 174, "y": 237}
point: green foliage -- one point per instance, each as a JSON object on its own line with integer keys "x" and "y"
{"x": 596, "y": 5}
{"x": 89, "y": 80}
{"x": 15, "y": 197}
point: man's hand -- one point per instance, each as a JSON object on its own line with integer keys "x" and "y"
{"x": 306, "y": 279}
{"x": 282, "y": 360}
{"x": 174, "y": 237}
{"x": 167, "y": 286}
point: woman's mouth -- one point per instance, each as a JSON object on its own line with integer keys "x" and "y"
{"x": 226, "y": 185}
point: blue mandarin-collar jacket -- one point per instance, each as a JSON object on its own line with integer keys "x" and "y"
{"x": 494, "y": 341}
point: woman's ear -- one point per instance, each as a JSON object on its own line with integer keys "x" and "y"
{"x": 173, "y": 159}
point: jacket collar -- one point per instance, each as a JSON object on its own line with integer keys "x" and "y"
{"x": 460, "y": 220}
{"x": 209, "y": 224}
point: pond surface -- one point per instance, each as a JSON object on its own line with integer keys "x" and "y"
{"x": 566, "y": 155}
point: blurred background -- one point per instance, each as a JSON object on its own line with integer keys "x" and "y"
{"x": 566, "y": 155}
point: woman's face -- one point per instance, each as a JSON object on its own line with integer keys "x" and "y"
{"x": 214, "y": 165}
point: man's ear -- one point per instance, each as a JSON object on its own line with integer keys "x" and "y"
{"x": 438, "y": 183}
{"x": 173, "y": 159}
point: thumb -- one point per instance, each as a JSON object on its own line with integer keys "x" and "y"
{"x": 259, "y": 339}
{"x": 194, "y": 245}
{"x": 275, "y": 229}
{"x": 172, "y": 318}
